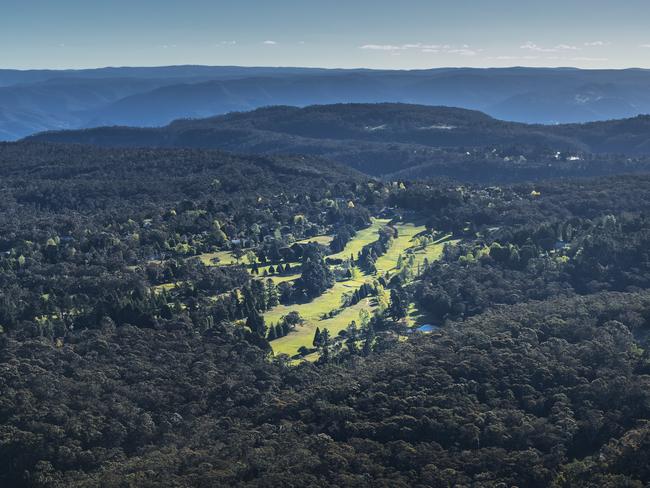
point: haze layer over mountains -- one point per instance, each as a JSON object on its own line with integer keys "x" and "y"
{"x": 40, "y": 100}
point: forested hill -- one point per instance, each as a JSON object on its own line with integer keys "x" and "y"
{"x": 401, "y": 140}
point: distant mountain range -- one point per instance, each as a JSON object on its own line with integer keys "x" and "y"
{"x": 398, "y": 140}
{"x": 34, "y": 101}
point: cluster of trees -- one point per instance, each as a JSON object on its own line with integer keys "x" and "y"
{"x": 370, "y": 252}
{"x": 343, "y": 235}
{"x": 316, "y": 276}
{"x": 285, "y": 326}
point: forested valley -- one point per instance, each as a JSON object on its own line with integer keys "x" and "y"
{"x": 194, "y": 318}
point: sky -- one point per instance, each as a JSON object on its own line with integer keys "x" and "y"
{"x": 386, "y": 34}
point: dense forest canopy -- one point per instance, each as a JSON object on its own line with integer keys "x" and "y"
{"x": 403, "y": 141}
{"x": 188, "y": 317}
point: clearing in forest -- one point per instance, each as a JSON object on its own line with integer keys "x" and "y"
{"x": 316, "y": 313}
{"x": 363, "y": 237}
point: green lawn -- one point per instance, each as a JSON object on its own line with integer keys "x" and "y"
{"x": 324, "y": 240}
{"x": 342, "y": 320}
{"x": 405, "y": 240}
{"x": 295, "y": 265}
{"x": 433, "y": 251}
{"x": 166, "y": 286}
{"x": 312, "y": 312}
{"x": 363, "y": 237}
{"x": 330, "y": 300}
{"x": 281, "y": 279}
{"x": 304, "y": 335}
{"x": 225, "y": 258}
{"x": 417, "y": 317}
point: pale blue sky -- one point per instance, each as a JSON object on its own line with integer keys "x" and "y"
{"x": 373, "y": 34}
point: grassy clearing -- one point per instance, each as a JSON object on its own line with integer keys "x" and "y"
{"x": 323, "y": 240}
{"x": 433, "y": 252}
{"x": 304, "y": 335}
{"x": 363, "y": 237}
{"x": 225, "y": 258}
{"x": 281, "y": 279}
{"x": 342, "y": 320}
{"x": 311, "y": 312}
{"x": 165, "y": 287}
{"x": 417, "y": 317}
{"x": 405, "y": 240}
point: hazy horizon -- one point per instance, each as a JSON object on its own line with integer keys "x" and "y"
{"x": 318, "y": 67}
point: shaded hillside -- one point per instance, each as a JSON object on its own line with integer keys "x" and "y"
{"x": 286, "y": 126}
{"x": 401, "y": 140}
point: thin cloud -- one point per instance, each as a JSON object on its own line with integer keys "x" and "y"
{"x": 566, "y": 47}
{"x": 597, "y": 43}
{"x": 647, "y": 46}
{"x": 380, "y": 47}
{"x": 227, "y": 43}
{"x": 419, "y": 45}
{"x": 463, "y": 50}
{"x": 531, "y": 46}
{"x": 270, "y": 43}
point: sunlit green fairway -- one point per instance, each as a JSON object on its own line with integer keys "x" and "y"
{"x": 224, "y": 258}
{"x": 363, "y": 237}
{"x": 313, "y": 312}
{"x": 282, "y": 279}
{"x": 323, "y": 240}
{"x": 304, "y": 335}
{"x": 342, "y": 320}
{"x": 433, "y": 251}
{"x": 405, "y": 240}
{"x": 407, "y": 243}
{"x": 166, "y": 286}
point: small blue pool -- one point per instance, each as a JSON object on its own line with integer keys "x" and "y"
{"x": 428, "y": 328}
